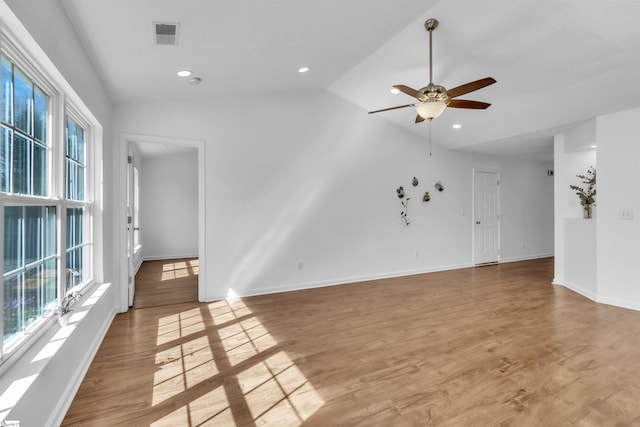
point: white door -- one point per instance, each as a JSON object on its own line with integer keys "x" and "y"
{"x": 486, "y": 217}
{"x": 130, "y": 227}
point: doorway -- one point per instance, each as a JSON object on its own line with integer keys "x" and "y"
{"x": 178, "y": 249}
{"x": 486, "y": 217}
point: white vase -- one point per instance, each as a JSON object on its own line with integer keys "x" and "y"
{"x": 63, "y": 319}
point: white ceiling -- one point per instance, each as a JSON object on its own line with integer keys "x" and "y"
{"x": 557, "y": 62}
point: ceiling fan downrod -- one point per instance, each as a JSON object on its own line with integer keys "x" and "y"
{"x": 430, "y": 25}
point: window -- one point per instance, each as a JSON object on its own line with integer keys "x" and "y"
{"x": 24, "y": 133}
{"x": 78, "y": 246}
{"x": 30, "y": 266}
{"x": 45, "y": 221}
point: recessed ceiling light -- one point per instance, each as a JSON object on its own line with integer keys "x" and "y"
{"x": 303, "y": 69}
{"x": 394, "y": 91}
{"x": 456, "y": 126}
{"x": 184, "y": 73}
{"x": 195, "y": 80}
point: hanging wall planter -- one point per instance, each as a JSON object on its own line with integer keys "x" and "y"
{"x": 405, "y": 205}
{"x": 439, "y": 186}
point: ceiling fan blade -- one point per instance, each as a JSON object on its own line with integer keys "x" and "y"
{"x": 411, "y": 92}
{"x": 392, "y": 108}
{"x": 463, "y": 103}
{"x": 470, "y": 87}
{"x": 419, "y": 118}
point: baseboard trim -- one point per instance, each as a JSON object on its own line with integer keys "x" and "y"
{"x": 618, "y": 303}
{"x": 334, "y": 282}
{"x": 527, "y": 257}
{"x": 577, "y": 289}
{"x": 161, "y": 257}
{"x": 614, "y": 302}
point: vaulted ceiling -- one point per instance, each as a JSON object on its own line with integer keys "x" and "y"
{"x": 557, "y": 62}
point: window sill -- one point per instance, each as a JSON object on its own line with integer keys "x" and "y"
{"x": 50, "y": 345}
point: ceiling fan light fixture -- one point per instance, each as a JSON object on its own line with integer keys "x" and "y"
{"x": 430, "y": 109}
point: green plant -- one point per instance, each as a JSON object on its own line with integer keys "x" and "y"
{"x": 65, "y": 305}
{"x": 405, "y": 204}
{"x": 426, "y": 197}
{"x": 587, "y": 194}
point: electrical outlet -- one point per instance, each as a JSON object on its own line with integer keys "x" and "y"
{"x": 625, "y": 214}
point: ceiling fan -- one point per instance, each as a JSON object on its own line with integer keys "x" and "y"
{"x": 434, "y": 99}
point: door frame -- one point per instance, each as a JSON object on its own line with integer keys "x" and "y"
{"x": 120, "y": 217}
{"x": 473, "y": 210}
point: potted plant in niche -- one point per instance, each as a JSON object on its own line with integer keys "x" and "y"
{"x": 587, "y": 194}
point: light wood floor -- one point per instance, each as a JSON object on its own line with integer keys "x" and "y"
{"x": 161, "y": 282}
{"x": 488, "y": 346}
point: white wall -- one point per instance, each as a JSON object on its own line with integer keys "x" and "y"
{"x": 575, "y": 237}
{"x": 598, "y": 257}
{"x": 169, "y": 205}
{"x": 618, "y": 184}
{"x": 311, "y": 178}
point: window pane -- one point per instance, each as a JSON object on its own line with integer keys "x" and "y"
{"x": 33, "y": 234}
{"x": 74, "y": 227}
{"x": 75, "y": 161}
{"x": 71, "y": 138}
{"x": 71, "y": 180}
{"x": 5, "y": 159}
{"x": 74, "y": 268}
{"x": 50, "y": 231}
{"x": 6, "y": 112}
{"x": 22, "y": 102}
{"x": 79, "y": 144}
{"x": 49, "y": 285}
{"x": 40, "y": 115}
{"x": 32, "y": 296}
{"x": 21, "y": 164}
{"x": 39, "y": 170}
{"x": 12, "y": 238}
{"x": 12, "y": 308}
{"x": 80, "y": 182}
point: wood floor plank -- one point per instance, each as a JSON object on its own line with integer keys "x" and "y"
{"x": 493, "y": 345}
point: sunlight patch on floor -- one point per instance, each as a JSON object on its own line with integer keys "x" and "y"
{"x": 274, "y": 390}
{"x": 179, "y": 269}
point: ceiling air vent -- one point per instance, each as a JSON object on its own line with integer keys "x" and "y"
{"x": 165, "y": 33}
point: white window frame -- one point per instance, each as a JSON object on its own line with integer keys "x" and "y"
{"x": 58, "y": 109}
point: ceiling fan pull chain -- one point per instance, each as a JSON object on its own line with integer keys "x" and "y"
{"x": 430, "y": 137}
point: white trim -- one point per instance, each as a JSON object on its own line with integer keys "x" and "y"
{"x": 336, "y": 282}
{"x": 120, "y": 219}
{"x": 599, "y": 299}
{"x": 526, "y": 257}
{"x": 168, "y": 257}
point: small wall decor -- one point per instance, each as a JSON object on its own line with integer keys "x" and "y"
{"x": 426, "y": 197}
{"x": 439, "y": 186}
{"x": 415, "y": 182}
{"x": 587, "y": 195}
{"x": 405, "y": 205}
